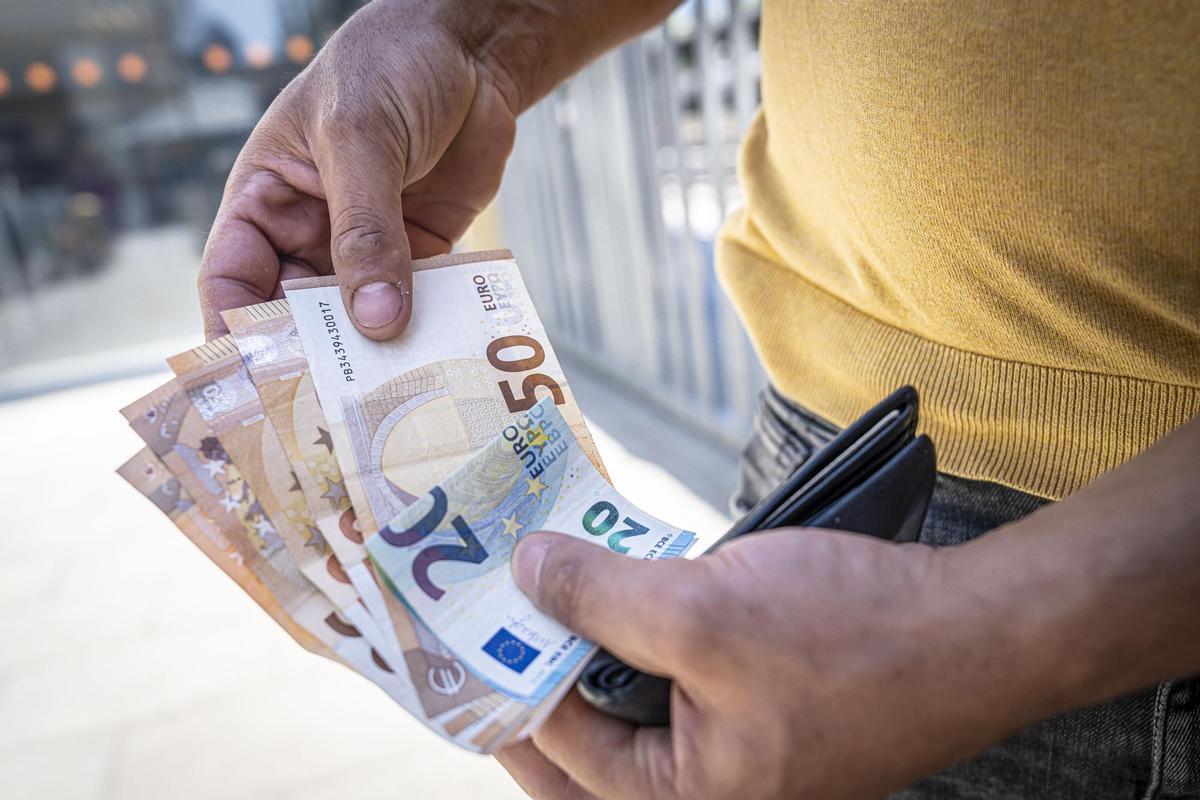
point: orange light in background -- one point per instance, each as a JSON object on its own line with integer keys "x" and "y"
{"x": 132, "y": 68}
{"x": 259, "y": 54}
{"x": 86, "y": 72}
{"x": 299, "y": 48}
{"x": 217, "y": 58}
{"x": 86, "y": 204}
{"x": 40, "y": 76}
{"x": 5, "y": 83}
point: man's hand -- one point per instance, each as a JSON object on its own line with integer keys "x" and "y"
{"x": 383, "y": 150}
{"x": 390, "y": 143}
{"x": 806, "y": 664}
{"x": 812, "y": 663}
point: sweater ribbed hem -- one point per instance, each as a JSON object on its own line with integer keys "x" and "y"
{"x": 1042, "y": 430}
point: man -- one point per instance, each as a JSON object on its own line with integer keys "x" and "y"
{"x": 996, "y": 202}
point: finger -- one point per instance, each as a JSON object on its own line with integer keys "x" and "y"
{"x": 534, "y": 773}
{"x": 440, "y": 206}
{"x": 290, "y": 270}
{"x": 607, "y": 756}
{"x": 282, "y": 198}
{"x": 637, "y": 609}
{"x": 363, "y": 176}
{"x": 262, "y": 216}
{"x": 239, "y": 268}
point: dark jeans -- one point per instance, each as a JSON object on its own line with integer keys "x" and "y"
{"x": 1143, "y": 745}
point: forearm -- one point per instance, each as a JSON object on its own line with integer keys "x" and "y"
{"x": 536, "y": 45}
{"x": 1097, "y": 595}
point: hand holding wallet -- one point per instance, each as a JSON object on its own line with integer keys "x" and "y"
{"x": 876, "y": 477}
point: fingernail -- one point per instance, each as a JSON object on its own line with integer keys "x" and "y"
{"x": 376, "y": 304}
{"x": 527, "y": 563}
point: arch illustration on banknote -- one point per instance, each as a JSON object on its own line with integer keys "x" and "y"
{"x": 409, "y": 430}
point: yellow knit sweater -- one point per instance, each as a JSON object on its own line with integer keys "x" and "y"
{"x": 998, "y": 202}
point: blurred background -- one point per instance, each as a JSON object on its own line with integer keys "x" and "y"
{"x": 130, "y": 667}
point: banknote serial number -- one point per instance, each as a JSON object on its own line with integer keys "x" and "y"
{"x": 335, "y": 340}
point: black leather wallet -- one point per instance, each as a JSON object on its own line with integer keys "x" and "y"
{"x": 875, "y": 477}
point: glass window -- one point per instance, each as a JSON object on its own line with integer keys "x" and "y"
{"x": 119, "y": 121}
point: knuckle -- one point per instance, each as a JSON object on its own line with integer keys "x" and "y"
{"x": 696, "y": 610}
{"x": 342, "y": 120}
{"x": 361, "y": 234}
{"x": 247, "y": 202}
{"x": 660, "y": 775}
{"x": 565, "y": 589}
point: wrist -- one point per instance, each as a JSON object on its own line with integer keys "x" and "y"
{"x": 527, "y": 49}
{"x": 1040, "y": 611}
{"x": 1013, "y": 621}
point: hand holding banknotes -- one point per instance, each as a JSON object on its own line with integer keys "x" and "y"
{"x": 389, "y": 144}
{"x": 810, "y": 663}
{"x": 790, "y": 678}
{"x": 383, "y": 150}
{"x": 367, "y": 490}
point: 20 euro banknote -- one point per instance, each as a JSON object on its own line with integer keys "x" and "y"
{"x": 302, "y": 611}
{"x": 447, "y": 555}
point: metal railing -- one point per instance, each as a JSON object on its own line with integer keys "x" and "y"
{"x": 612, "y": 201}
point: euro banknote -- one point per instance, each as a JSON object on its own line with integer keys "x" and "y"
{"x": 447, "y": 555}
{"x": 227, "y": 508}
{"x": 404, "y": 413}
{"x": 221, "y": 391}
{"x": 368, "y": 494}
{"x": 307, "y": 615}
{"x": 465, "y": 711}
{"x": 274, "y": 358}
{"x": 146, "y": 473}
{"x": 170, "y": 425}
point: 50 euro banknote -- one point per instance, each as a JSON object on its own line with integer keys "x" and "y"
{"x": 238, "y": 533}
{"x": 404, "y": 413}
{"x": 221, "y": 391}
{"x": 296, "y": 606}
{"x": 273, "y": 356}
{"x": 146, "y": 473}
{"x": 447, "y": 555}
{"x": 226, "y": 520}
{"x": 172, "y": 428}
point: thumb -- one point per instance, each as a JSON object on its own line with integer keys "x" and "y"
{"x": 363, "y": 182}
{"x": 636, "y": 609}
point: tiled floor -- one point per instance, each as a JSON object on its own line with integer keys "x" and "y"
{"x": 130, "y": 667}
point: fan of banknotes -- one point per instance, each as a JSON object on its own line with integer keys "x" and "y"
{"x": 368, "y": 495}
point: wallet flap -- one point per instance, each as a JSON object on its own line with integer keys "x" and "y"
{"x": 874, "y": 478}
{"x": 891, "y": 502}
{"x": 831, "y": 471}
